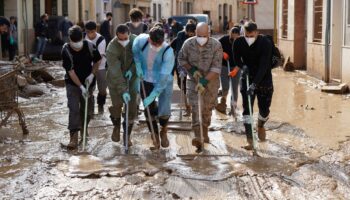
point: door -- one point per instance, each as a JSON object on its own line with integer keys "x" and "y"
{"x": 336, "y": 41}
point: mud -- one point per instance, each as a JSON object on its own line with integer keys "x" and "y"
{"x": 306, "y": 155}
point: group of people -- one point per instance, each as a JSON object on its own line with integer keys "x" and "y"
{"x": 138, "y": 62}
{"x": 9, "y": 37}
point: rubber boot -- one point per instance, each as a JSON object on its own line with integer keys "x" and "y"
{"x": 164, "y": 131}
{"x": 73, "y": 143}
{"x": 116, "y": 129}
{"x": 156, "y": 141}
{"x": 221, "y": 107}
{"x": 205, "y": 134}
{"x": 129, "y": 134}
{"x": 249, "y": 134}
{"x": 197, "y": 140}
{"x": 261, "y": 130}
{"x": 101, "y": 100}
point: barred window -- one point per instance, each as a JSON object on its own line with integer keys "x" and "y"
{"x": 318, "y": 22}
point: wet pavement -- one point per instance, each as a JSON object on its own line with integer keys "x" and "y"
{"x": 306, "y": 156}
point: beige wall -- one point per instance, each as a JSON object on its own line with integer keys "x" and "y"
{"x": 345, "y": 65}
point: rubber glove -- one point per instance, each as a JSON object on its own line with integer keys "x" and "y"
{"x": 89, "y": 79}
{"x": 126, "y": 97}
{"x": 84, "y": 92}
{"x": 226, "y": 56}
{"x": 201, "y": 85}
{"x": 147, "y": 101}
{"x": 195, "y": 73}
{"x": 128, "y": 75}
{"x": 139, "y": 72}
{"x": 251, "y": 89}
{"x": 12, "y": 41}
{"x": 234, "y": 72}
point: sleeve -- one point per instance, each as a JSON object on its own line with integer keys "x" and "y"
{"x": 264, "y": 62}
{"x": 102, "y": 48}
{"x": 166, "y": 72}
{"x": 114, "y": 68}
{"x": 66, "y": 61}
{"x": 136, "y": 50}
{"x": 236, "y": 54}
{"x": 183, "y": 54}
{"x": 96, "y": 55}
{"x": 216, "y": 64}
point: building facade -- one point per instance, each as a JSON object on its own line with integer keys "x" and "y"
{"x": 315, "y": 35}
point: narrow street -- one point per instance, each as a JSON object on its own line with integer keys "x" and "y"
{"x": 306, "y": 156}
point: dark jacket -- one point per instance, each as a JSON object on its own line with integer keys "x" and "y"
{"x": 41, "y": 29}
{"x": 227, "y": 46}
{"x": 105, "y": 31}
{"x": 178, "y": 42}
{"x": 257, "y": 57}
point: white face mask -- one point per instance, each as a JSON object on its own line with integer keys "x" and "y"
{"x": 250, "y": 41}
{"x": 136, "y": 24}
{"x": 157, "y": 49}
{"x": 124, "y": 43}
{"x": 202, "y": 40}
{"x": 76, "y": 45}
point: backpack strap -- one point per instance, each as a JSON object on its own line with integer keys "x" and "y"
{"x": 144, "y": 46}
{"x": 166, "y": 49}
{"x": 99, "y": 40}
{"x": 69, "y": 54}
{"x": 91, "y": 48}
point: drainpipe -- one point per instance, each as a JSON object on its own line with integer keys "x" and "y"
{"x": 327, "y": 42}
{"x": 275, "y": 21}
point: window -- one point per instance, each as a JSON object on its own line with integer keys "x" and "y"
{"x": 65, "y": 7}
{"x": 36, "y": 11}
{"x": 347, "y": 24}
{"x": 230, "y": 17}
{"x": 285, "y": 19}
{"x": 154, "y": 11}
{"x": 159, "y": 12}
{"x": 318, "y": 25}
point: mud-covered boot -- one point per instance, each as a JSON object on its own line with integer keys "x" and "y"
{"x": 197, "y": 140}
{"x": 73, "y": 143}
{"x": 261, "y": 130}
{"x": 129, "y": 134}
{"x": 205, "y": 134}
{"x": 101, "y": 101}
{"x": 221, "y": 107}
{"x": 249, "y": 134}
{"x": 164, "y": 137}
{"x": 116, "y": 129}
{"x": 156, "y": 141}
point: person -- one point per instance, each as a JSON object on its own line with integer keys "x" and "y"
{"x": 122, "y": 80}
{"x": 181, "y": 73}
{"x": 201, "y": 57}
{"x": 13, "y": 38}
{"x": 63, "y": 29}
{"x": 154, "y": 60}
{"x": 176, "y": 27}
{"x": 255, "y": 52}
{"x": 100, "y": 43}
{"x": 136, "y": 26}
{"x": 81, "y": 60}
{"x": 4, "y": 25}
{"x": 225, "y": 26}
{"x": 227, "y": 45}
{"x": 105, "y": 29}
{"x": 41, "y": 33}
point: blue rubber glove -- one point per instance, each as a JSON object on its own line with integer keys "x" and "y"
{"x": 126, "y": 97}
{"x": 139, "y": 72}
{"x": 128, "y": 75}
{"x": 12, "y": 41}
{"x": 147, "y": 101}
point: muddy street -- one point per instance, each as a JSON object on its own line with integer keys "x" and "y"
{"x": 306, "y": 155}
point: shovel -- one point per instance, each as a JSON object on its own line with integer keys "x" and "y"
{"x": 182, "y": 97}
{"x": 233, "y": 108}
{"x": 126, "y": 141}
{"x": 85, "y": 115}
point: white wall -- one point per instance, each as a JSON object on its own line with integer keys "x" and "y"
{"x": 165, "y": 9}
{"x": 264, "y": 12}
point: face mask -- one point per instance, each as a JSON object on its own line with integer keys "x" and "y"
{"x": 76, "y": 45}
{"x": 136, "y": 24}
{"x": 202, "y": 40}
{"x": 157, "y": 49}
{"x": 124, "y": 43}
{"x": 250, "y": 41}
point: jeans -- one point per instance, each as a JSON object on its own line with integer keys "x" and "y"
{"x": 12, "y": 51}
{"x": 40, "y": 46}
{"x": 225, "y": 85}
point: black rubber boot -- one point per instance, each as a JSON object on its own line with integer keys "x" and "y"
{"x": 116, "y": 129}
{"x": 129, "y": 134}
{"x": 101, "y": 101}
{"x": 156, "y": 142}
{"x": 261, "y": 130}
{"x": 249, "y": 134}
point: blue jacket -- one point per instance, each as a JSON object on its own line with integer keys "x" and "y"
{"x": 162, "y": 67}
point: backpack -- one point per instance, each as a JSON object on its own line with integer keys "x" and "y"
{"x": 276, "y": 59}
{"x": 145, "y": 45}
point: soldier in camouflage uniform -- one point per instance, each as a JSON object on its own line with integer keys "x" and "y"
{"x": 201, "y": 56}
